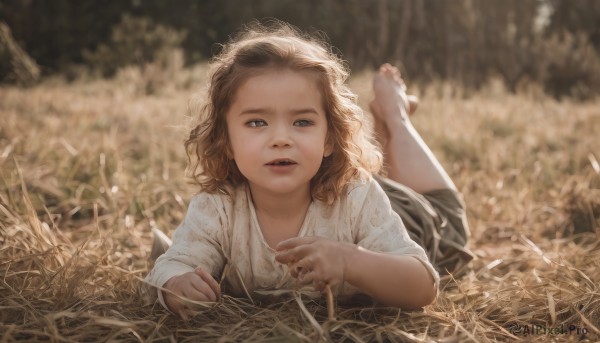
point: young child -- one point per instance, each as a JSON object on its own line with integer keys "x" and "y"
{"x": 290, "y": 197}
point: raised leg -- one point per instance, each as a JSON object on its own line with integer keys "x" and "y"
{"x": 407, "y": 156}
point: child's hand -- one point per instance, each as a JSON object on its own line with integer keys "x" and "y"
{"x": 316, "y": 260}
{"x": 198, "y": 285}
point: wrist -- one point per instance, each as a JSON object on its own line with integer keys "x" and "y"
{"x": 169, "y": 283}
{"x": 350, "y": 253}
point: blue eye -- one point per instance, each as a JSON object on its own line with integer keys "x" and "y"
{"x": 303, "y": 122}
{"x": 256, "y": 123}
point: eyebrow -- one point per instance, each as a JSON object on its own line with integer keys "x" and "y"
{"x": 261, "y": 110}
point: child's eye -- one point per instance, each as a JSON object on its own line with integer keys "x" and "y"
{"x": 256, "y": 123}
{"x": 303, "y": 122}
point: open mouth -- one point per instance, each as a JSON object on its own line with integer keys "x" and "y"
{"x": 281, "y": 162}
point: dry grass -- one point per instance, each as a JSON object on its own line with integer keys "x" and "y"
{"x": 88, "y": 168}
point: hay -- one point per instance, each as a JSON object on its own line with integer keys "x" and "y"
{"x": 87, "y": 170}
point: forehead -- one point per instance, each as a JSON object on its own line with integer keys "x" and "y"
{"x": 279, "y": 86}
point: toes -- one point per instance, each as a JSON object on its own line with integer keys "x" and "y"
{"x": 390, "y": 79}
{"x": 413, "y": 103}
{"x": 385, "y": 69}
{"x": 393, "y": 74}
{"x": 388, "y": 72}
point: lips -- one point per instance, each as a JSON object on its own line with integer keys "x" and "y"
{"x": 282, "y": 162}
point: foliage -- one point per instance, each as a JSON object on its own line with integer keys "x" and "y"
{"x": 464, "y": 41}
{"x": 15, "y": 65}
{"x": 135, "y": 41}
{"x": 572, "y": 66}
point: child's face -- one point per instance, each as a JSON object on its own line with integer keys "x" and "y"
{"x": 277, "y": 130}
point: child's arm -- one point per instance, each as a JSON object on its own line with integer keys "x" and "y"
{"x": 196, "y": 243}
{"x": 395, "y": 280}
{"x": 381, "y": 259}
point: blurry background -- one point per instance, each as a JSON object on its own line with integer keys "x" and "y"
{"x": 551, "y": 43}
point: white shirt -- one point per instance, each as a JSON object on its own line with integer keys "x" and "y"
{"x": 219, "y": 230}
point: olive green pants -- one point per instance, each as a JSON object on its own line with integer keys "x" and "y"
{"x": 436, "y": 220}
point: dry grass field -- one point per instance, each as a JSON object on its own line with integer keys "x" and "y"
{"x": 88, "y": 168}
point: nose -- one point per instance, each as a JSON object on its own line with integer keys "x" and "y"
{"x": 281, "y": 137}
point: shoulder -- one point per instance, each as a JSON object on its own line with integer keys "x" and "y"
{"x": 210, "y": 205}
{"x": 363, "y": 189}
{"x": 363, "y": 195}
{"x": 205, "y": 201}
{"x": 220, "y": 204}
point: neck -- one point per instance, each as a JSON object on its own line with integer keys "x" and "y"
{"x": 281, "y": 206}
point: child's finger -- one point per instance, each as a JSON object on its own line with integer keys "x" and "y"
{"x": 177, "y": 305}
{"x": 181, "y": 311}
{"x": 174, "y": 303}
{"x": 319, "y": 285}
{"x": 294, "y": 254}
{"x": 212, "y": 283}
{"x": 307, "y": 277}
{"x": 185, "y": 312}
{"x": 296, "y": 269}
{"x": 294, "y": 242}
{"x": 202, "y": 291}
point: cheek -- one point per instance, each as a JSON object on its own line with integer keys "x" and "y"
{"x": 314, "y": 150}
{"x": 236, "y": 140}
{"x": 244, "y": 148}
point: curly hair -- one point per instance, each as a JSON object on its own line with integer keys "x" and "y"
{"x": 251, "y": 52}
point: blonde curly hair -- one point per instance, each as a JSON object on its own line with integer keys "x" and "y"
{"x": 279, "y": 45}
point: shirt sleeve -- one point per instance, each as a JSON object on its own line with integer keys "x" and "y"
{"x": 197, "y": 242}
{"x": 380, "y": 229}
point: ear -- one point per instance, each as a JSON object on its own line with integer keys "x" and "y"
{"x": 328, "y": 150}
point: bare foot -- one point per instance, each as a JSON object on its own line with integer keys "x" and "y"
{"x": 390, "y": 95}
{"x": 390, "y": 100}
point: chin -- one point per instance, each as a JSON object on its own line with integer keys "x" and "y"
{"x": 283, "y": 187}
